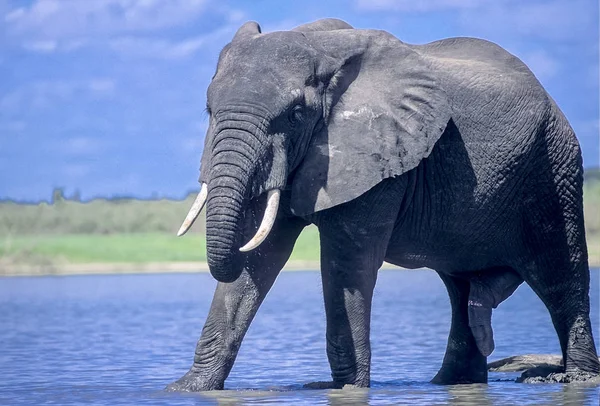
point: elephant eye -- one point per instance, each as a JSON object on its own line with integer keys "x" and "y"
{"x": 295, "y": 114}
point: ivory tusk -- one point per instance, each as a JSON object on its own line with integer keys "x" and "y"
{"x": 194, "y": 210}
{"x": 267, "y": 221}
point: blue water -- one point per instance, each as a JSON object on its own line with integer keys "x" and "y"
{"x": 120, "y": 339}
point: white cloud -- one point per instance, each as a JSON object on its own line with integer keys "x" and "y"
{"x": 44, "y": 94}
{"x": 82, "y": 146}
{"x": 415, "y": 6}
{"x": 234, "y": 15}
{"x": 153, "y": 48}
{"x": 36, "y": 95}
{"x": 44, "y": 47}
{"x": 59, "y": 19}
{"x": 543, "y": 65}
{"x": 136, "y": 47}
{"x": 102, "y": 86}
{"x": 52, "y": 46}
{"x": 551, "y": 20}
{"x": 135, "y": 28}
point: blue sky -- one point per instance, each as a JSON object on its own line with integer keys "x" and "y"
{"x": 107, "y": 96}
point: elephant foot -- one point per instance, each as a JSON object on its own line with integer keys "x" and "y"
{"x": 463, "y": 368}
{"x": 332, "y": 385}
{"x": 452, "y": 378}
{"x": 193, "y": 382}
{"x": 552, "y": 375}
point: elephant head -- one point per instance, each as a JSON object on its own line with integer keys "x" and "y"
{"x": 325, "y": 113}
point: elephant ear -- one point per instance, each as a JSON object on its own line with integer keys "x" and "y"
{"x": 384, "y": 111}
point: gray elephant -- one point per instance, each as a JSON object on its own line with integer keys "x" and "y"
{"x": 448, "y": 155}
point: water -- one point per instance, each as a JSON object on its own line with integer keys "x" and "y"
{"x": 120, "y": 339}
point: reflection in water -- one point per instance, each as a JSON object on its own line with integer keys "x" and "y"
{"x": 509, "y": 393}
{"x": 348, "y": 396}
{"x": 476, "y": 395}
{"x": 574, "y": 395}
{"x": 227, "y": 398}
{"x": 120, "y": 339}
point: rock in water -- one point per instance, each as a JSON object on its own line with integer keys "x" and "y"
{"x": 541, "y": 368}
{"x": 519, "y": 363}
{"x": 559, "y": 377}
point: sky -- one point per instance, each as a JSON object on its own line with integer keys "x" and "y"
{"x": 107, "y": 97}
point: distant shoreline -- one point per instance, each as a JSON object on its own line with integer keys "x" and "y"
{"x": 107, "y": 268}
{"x": 100, "y": 268}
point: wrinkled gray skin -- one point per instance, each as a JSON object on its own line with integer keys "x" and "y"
{"x": 448, "y": 155}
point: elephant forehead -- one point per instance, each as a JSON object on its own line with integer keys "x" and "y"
{"x": 278, "y": 55}
{"x": 240, "y": 78}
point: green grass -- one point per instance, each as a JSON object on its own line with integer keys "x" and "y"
{"x": 134, "y": 248}
{"x": 99, "y": 216}
{"x": 591, "y": 199}
{"x": 136, "y": 231}
{"x": 593, "y": 245}
{"x": 591, "y": 205}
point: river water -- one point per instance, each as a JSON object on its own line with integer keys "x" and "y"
{"x": 119, "y": 339}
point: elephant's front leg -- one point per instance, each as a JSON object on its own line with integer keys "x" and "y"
{"x": 233, "y": 308}
{"x": 353, "y": 248}
{"x": 348, "y": 291}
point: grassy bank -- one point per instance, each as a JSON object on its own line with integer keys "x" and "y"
{"x": 136, "y": 232}
{"x": 131, "y": 248}
{"x": 97, "y": 217}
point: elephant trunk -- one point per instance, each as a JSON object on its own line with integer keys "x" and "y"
{"x": 237, "y": 166}
{"x": 225, "y": 210}
{"x": 242, "y": 165}
{"x": 222, "y": 258}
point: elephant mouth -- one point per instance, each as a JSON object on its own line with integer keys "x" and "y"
{"x": 261, "y": 234}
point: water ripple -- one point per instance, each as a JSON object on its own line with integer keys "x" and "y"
{"x": 120, "y": 339}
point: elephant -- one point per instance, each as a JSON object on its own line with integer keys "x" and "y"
{"x": 448, "y": 155}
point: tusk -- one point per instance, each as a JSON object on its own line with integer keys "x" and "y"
{"x": 267, "y": 221}
{"x": 194, "y": 210}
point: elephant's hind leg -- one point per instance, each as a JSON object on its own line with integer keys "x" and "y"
{"x": 555, "y": 265}
{"x": 463, "y": 362}
{"x": 566, "y": 298}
